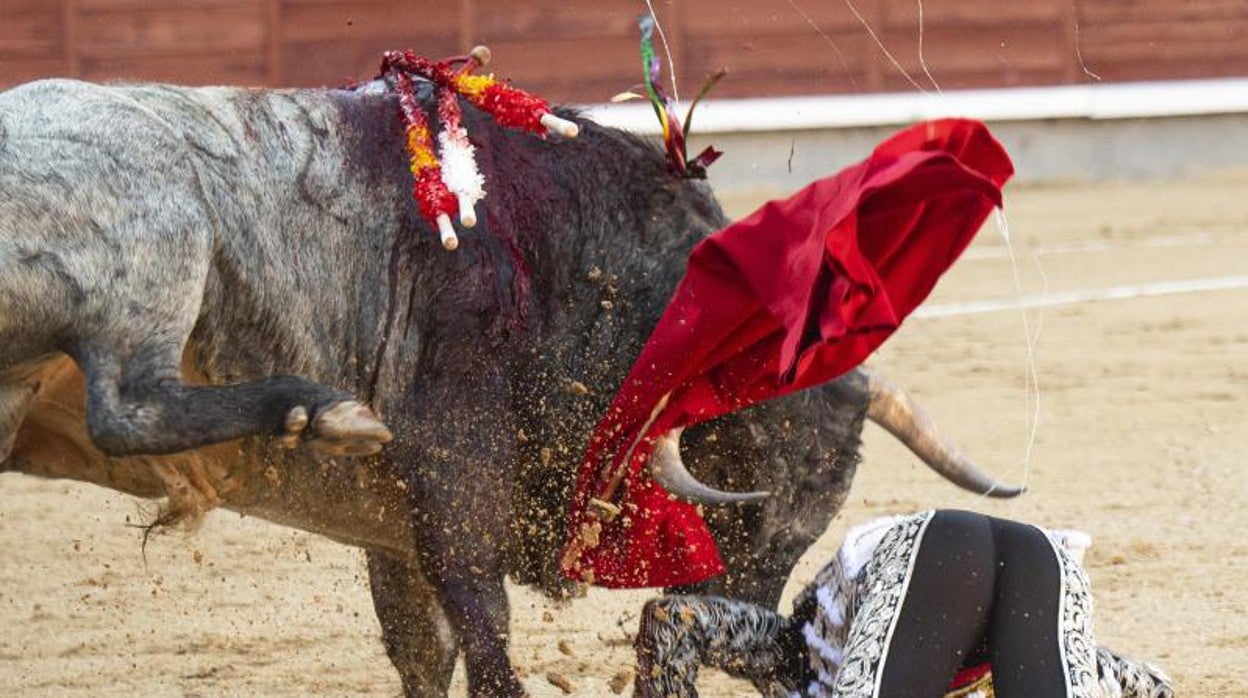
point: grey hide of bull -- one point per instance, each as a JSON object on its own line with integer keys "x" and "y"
{"x": 217, "y": 294}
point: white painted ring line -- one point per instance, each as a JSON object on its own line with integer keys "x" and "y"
{"x": 1049, "y": 300}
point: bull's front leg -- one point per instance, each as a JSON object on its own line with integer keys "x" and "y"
{"x": 419, "y": 638}
{"x": 460, "y": 488}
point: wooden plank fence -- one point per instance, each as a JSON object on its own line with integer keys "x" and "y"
{"x": 586, "y": 51}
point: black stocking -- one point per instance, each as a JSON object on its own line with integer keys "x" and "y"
{"x": 978, "y": 578}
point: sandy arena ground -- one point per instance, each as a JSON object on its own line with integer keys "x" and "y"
{"x": 1140, "y": 438}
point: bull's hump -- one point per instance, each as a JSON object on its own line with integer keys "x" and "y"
{"x": 220, "y": 123}
{"x": 93, "y": 129}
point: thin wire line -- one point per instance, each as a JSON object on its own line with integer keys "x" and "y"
{"x": 1079, "y": 55}
{"x": 826, "y": 37}
{"x": 671, "y": 65}
{"x": 879, "y": 43}
{"x": 1032, "y": 379}
{"x": 922, "y": 60}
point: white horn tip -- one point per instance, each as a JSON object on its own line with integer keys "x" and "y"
{"x": 447, "y": 231}
{"x": 561, "y": 126}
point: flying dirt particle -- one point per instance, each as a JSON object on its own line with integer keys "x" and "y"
{"x": 1144, "y": 550}
{"x": 607, "y": 305}
{"x": 561, "y": 682}
{"x": 565, "y": 648}
{"x": 198, "y": 557}
{"x": 271, "y": 474}
{"x": 590, "y": 533}
{"x": 594, "y": 274}
{"x": 546, "y": 455}
{"x": 625, "y": 640}
{"x": 548, "y": 617}
{"x": 577, "y": 388}
{"x": 521, "y": 437}
{"x": 620, "y": 681}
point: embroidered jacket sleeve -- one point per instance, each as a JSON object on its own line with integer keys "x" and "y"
{"x": 825, "y": 611}
{"x": 679, "y": 634}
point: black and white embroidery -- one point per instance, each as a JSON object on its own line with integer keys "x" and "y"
{"x": 843, "y": 621}
{"x": 1127, "y": 678}
{"x": 881, "y": 589}
{"x": 1078, "y": 644}
{"x": 681, "y": 633}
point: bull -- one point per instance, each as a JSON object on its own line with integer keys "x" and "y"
{"x": 219, "y": 295}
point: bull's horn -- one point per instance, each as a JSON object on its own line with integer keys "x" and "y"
{"x": 893, "y": 409}
{"x": 669, "y": 471}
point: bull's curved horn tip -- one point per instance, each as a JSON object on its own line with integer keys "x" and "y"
{"x": 1006, "y": 491}
{"x": 894, "y": 410}
{"x": 670, "y": 472}
{"x": 447, "y": 231}
{"x": 559, "y": 125}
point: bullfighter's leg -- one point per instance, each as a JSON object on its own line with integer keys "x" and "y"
{"x": 419, "y": 638}
{"x": 462, "y": 503}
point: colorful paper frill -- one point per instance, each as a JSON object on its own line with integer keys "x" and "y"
{"x": 446, "y": 179}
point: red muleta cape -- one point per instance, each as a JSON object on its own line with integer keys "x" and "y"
{"x": 792, "y": 296}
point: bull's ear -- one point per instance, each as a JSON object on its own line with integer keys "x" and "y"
{"x": 668, "y": 469}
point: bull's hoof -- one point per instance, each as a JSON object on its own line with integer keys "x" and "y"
{"x": 345, "y": 428}
{"x": 296, "y": 422}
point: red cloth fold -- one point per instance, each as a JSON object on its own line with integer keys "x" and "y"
{"x": 792, "y": 296}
